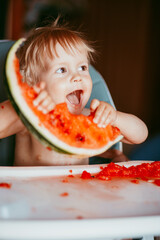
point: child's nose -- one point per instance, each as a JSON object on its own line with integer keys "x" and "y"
{"x": 76, "y": 78}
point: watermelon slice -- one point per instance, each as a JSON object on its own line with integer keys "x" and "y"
{"x": 59, "y": 130}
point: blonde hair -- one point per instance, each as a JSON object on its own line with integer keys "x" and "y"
{"x": 39, "y": 48}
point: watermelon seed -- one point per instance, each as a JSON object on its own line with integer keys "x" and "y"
{"x": 80, "y": 138}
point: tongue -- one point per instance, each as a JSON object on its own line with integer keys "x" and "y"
{"x": 74, "y": 97}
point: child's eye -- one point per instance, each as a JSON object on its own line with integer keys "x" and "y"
{"x": 83, "y": 68}
{"x": 61, "y": 70}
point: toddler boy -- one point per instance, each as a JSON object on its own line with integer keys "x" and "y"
{"x": 55, "y": 61}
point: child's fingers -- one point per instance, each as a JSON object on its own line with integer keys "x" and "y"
{"x": 104, "y": 113}
{"x": 47, "y": 105}
{"x": 42, "y": 85}
{"x": 51, "y": 106}
{"x": 46, "y": 109}
{"x": 36, "y": 89}
{"x": 94, "y": 104}
{"x": 46, "y": 102}
{"x": 105, "y": 118}
{"x": 43, "y": 102}
{"x": 39, "y": 87}
{"x": 98, "y": 114}
{"x": 40, "y": 98}
{"x": 111, "y": 118}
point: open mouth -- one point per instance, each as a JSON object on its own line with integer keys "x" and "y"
{"x": 75, "y": 97}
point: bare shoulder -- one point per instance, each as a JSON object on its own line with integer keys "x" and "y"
{"x": 10, "y": 123}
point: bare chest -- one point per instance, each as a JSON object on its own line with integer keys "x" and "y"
{"x": 30, "y": 152}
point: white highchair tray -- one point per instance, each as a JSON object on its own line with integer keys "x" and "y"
{"x": 48, "y": 203}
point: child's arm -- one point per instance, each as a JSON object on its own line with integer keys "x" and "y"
{"x": 132, "y": 128}
{"x": 9, "y": 121}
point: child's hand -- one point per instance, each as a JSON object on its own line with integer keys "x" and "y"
{"x": 43, "y": 102}
{"x": 104, "y": 113}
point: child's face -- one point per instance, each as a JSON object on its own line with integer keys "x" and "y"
{"x": 68, "y": 79}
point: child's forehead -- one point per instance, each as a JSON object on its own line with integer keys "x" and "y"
{"x": 69, "y": 49}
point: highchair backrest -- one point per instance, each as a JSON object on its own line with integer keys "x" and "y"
{"x": 100, "y": 91}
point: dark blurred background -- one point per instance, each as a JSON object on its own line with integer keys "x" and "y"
{"x": 126, "y": 34}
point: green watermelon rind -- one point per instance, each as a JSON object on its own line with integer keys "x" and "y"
{"x": 31, "y": 121}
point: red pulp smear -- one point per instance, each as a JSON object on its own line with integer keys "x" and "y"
{"x": 136, "y": 181}
{"x": 5, "y": 185}
{"x": 71, "y": 176}
{"x": 144, "y": 171}
{"x": 79, "y": 217}
{"x": 65, "y": 194}
{"x": 65, "y": 180}
{"x": 75, "y": 130}
{"x": 49, "y": 148}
